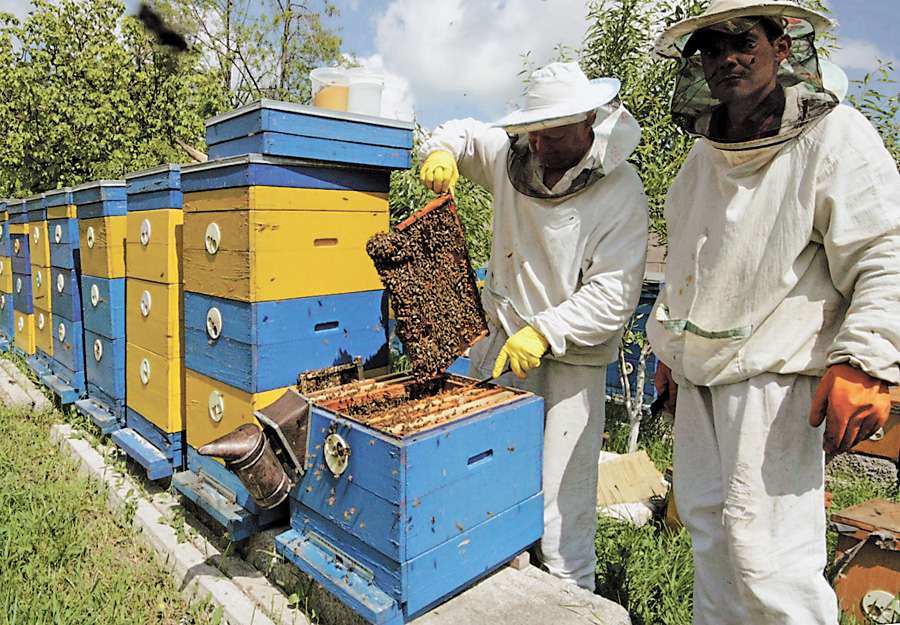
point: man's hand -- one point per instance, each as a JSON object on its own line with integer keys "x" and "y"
{"x": 439, "y": 172}
{"x": 524, "y": 350}
{"x": 665, "y": 387}
{"x": 853, "y": 405}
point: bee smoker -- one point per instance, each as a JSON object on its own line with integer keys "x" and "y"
{"x": 269, "y": 460}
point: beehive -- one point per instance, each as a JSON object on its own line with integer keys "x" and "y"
{"x": 867, "y": 557}
{"x": 276, "y": 277}
{"x": 101, "y": 209}
{"x": 154, "y": 317}
{"x": 409, "y": 494}
{"x": 39, "y": 276}
{"x": 885, "y": 443}
{"x": 306, "y": 132}
{"x": 6, "y": 314}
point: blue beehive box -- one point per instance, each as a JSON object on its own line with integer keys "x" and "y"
{"x": 253, "y": 170}
{"x": 395, "y": 514}
{"x": 262, "y": 346}
{"x": 7, "y": 331}
{"x": 614, "y": 387}
{"x": 17, "y": 212}
{"x": 293, "y": 130}
{"x": 153, "y": 189}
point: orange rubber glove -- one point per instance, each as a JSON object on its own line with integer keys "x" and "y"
{"x": 524, "y": 350}
{"x": 439, "y": 172}
{"x": 665, "y": 387}
{"x": 853, "y": 405}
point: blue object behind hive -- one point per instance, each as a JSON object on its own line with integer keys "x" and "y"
{"x": 418, "y": 518}
{"x": 614, "y": 387}
{"x": 293, "y": 130}
{"x": 265, "y": 345}
{"x": 155, "y": 188}
{"x": 259, "y": 170}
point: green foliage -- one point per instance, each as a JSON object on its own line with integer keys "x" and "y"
{"x": 86, "y": 95}
{"x": 259, "y": 49}
{"x": 618, "y": 43}
{"x": 649, "y": 570}
{"x": 473, "y": 205}
{"x": 879, "y": 106}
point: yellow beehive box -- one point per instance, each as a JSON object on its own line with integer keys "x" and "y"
{"x": 43, "y": 330}
{"x": 102, "y": 242}
{"x": 41, "y": 287}
{"x": 255, "y": 256}
{"x": 213, "y": 409}
{"x": 284, "y": 198}
{"x": 64, "y": 211}
{"x": 39, "y": 244}
{"x": 5, "y": 274}
{"x": 24, "y": 331}
{"x": 153, "y": 245}
{"x": 155, "y": 387}
{"x": 154, "y": 316}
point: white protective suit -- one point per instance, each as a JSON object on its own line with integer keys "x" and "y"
{"x": 782, "y": 260}
{"x": 572, "y": 268}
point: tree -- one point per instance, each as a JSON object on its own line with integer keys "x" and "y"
{"x": 259, "y": 50}
{"x": 86, "y": 95}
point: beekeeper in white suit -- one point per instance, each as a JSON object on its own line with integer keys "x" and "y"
{"x": 778, "y": 318}
{"x": 567, "y": 261}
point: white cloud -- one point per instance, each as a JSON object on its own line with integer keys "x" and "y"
{"x": 396, "y": 100}
{"x": 474, "y": 48}
{"x": 860, "y": 55}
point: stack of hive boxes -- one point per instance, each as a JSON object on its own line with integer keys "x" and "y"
{"x": 6, "y": 302}
{"x": 101, "y": 209}
{"x": 23, "y": 306}
{"x": 277, "y": 280}
{"x": 154, "y": 319}
{"x": 67, "y": 378}
{"x": 39, "y": 247}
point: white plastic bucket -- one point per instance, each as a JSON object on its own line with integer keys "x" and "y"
{"x": 330, "y": 88}
{"x": 366, "y": 86}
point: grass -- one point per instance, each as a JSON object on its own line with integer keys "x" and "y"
{"x": 64, "y": 558}
{"x": 649, "y": 570}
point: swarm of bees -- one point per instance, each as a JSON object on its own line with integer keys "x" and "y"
{"x": 425, "y": 268}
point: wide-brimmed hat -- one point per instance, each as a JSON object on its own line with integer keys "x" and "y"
{"x": 731, "y": 16}
{"x": 558, "y": 94}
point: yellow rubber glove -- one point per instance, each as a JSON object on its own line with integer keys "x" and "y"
{"x": 439, "y": 172}
{"x": 853, "y": 405}
{"x": 524, "y": 350}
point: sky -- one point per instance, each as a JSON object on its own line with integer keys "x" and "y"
{"x": 445, "y": 59}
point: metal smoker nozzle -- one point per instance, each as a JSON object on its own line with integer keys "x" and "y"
{"x": 247, "y": 453}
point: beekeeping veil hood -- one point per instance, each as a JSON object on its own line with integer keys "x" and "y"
{"x": 557, "y": 95}
{"x": 799, "y": 78}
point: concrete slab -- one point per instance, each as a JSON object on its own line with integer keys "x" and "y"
{"x": 253, "y": 584}
{"x": 18, "y": 391}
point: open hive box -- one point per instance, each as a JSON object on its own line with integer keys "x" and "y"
{"x": 419, "y": 484}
